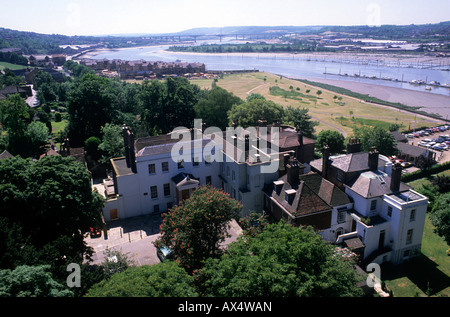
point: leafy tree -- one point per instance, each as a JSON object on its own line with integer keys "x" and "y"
{"x": 91, "y": 147}
{"x": 376, "y": 137}
{"x": 37, "y": 133}
{"x": 194, "y": 229}
{"x": 247, "y": 114}
{"x": 112, "y": 142}
{"x": 301, "y": 120}
{"x": 281, "y": 261}
{"x": 92, "y": 102}
{"x": 13, "y": 117}
{"x": 442, "y": 182}
{"x": 167, "y": 105}
{"x": 213, "y": 108}
{"x": 31, "y": 281}
{"x": 440, "y": 216}
{"x": 165, "y": 279}
{"x": 333, "y": 139}
{"x": 51, "y": 204}
{"x": 115, "y": 262}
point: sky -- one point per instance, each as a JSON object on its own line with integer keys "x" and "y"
{"x": 101, "y": 17}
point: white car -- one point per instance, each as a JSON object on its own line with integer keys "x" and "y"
{"x": 426, "y": 140}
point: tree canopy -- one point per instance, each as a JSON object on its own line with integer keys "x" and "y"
{"x": 46, "y": 207}
{"x": 333, "y": 139}
{"x": 376, "y": 137}
{"x": 194, "y": 229}
{"x": 165, "y": 279}
{"x": 280, "y": 261}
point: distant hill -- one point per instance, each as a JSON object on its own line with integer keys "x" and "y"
{"x": 36, "y": 43}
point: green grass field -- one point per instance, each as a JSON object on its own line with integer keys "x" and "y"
{"x": 331, "y": 108}
{"x": 4, "y": 65}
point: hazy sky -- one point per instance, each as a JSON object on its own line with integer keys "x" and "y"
{"x": 96, "y": 17}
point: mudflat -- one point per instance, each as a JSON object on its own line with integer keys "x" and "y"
{"x": 431, "y": 103}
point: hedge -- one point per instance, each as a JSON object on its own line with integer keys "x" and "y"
{"x": 426, "y": 172}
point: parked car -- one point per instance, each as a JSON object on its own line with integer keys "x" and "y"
{"x": 95, "y": 232}
{"x": 421, "y": 143}
{"x": 406, "y": 164}
{"x": 426, "y": 140}
{"x": 437, "y": 147}
{"x": 164, "y": 253}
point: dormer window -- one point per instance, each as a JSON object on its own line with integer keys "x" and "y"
{"x": 277, "y": 186}
{"x": 290, "y": 195}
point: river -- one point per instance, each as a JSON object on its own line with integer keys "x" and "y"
{"x": 305, "y": 66}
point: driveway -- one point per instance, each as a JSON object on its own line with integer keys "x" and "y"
{"x": 135, "y": 236}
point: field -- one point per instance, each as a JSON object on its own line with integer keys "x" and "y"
{"x": 4, "y": 65}
{"x": 332, "y": 110}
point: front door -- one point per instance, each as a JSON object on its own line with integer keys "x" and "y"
{"x": 381, "y": 240}
{"x": 185, "y": 194}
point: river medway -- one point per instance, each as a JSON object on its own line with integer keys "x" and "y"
{"x": 386, "y": 77}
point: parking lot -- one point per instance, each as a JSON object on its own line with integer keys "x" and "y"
{"x": 437, "y": 141}
{"x": 135, "y": 236}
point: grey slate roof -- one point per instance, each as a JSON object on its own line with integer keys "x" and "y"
{"x": 374, "y": 184}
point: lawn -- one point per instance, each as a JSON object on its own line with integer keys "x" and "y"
{"x": 331, "y": 108}
{"x": 4, "y": 65}
{"x": 427, "y": 275}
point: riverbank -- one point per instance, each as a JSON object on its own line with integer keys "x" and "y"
{"x": 430, "y": 103}
{"x": 363, "y": 58}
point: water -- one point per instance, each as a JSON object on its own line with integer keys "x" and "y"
{"x": 296, "y": 66}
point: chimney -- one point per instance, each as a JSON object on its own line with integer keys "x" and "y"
{"x": 126, "y": 144}
{"x": 396, "y": 176}
{"x": 353, "y": 146}
{"x": 132, "y": 152}
{"x": 325, "y": 159}
{"x": 373, "y": 159}
{"x": 293, "y": 171}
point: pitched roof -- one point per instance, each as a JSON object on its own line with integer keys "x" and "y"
{"x": 372, "y": 184}
{"x": 312, "y": 194}
{"x": 411, "y": 150}
{"x": 5, "y": 154}
{"x": 353, "y": 162}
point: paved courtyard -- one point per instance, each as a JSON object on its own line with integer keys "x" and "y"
{"x": 135, "y": 236}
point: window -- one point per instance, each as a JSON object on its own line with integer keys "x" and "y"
{"x": 340, "y": 175}
{"x": 195, "y": 161}
{"x": 151, "y": 169}
{"x": 169, "y": 206}
{"x": 409, "y": 235}
{"x": 165, "y": 167}
{"x": 156, "y": 209}
{"x": 208, "y": 180}
{"x": 233, "y": 176}
{"x": 412, "y": 216}
{"x": 180, "y": 164}
{"x": 389, "y": 211}
{"x": 373, "y": 204}
{"x": 154, "y": 192}
{"x": 341, "y": 215}
{"x": 228, "y": 171}
{"x": 167, "y": 189}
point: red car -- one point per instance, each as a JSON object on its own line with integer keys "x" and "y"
{"x": 95, "y": 232}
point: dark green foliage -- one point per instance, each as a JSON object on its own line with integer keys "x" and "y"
{"x": 281, "y": 261}
{"x": 214, "y": 106}
{"x": 165, "y": 279}
{"x": 333, "y": 139}
{"x": 46, "y": 208}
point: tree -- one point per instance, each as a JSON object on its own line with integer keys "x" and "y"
{"x": 31, "y": 281}
{"x": 281, "y": 261}
{"x": 37, "y": 134}
{"x": 301, "y": 120}
{"x": 213, "y": 108}
{"x": 165, "y": 279}
{"x": 13, "y": 117}
{"x": 167, "y": 105}
{"x": 440, "y": 216}
{"x": 50, "y": 205}
{"x": 115, "y": 262}
{"x": 249, "y": 113}
{"x": 376, "y": 137}
{"x": 194, "y": 229}
{"x": 92, "y": 103}
{"x": 112, "y": 144}
{"x": 333, "y": 139}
